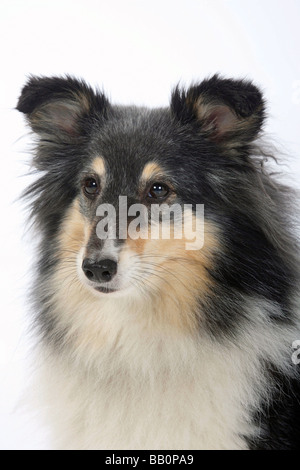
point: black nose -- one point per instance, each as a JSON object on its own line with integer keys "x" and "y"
{"x": 99, "y": 271}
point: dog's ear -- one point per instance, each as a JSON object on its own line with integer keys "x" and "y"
{"x": 60, "y": 108}
{"x": 229, "y": 112}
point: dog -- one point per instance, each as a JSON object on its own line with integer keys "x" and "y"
{"x": 147, "y": 342}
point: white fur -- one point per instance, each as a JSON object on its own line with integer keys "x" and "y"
{"x": 127, "y": 380}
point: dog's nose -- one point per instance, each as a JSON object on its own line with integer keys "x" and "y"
{"x": 99, "y": 271}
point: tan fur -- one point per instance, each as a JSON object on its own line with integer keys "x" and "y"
{"x": 98, "y": 166}
{"x": 135, "y": 373}
{"x": 177, "y": 274}
{"x": 151, "y": 170}
{"x": 167, "y": 272}
{"x": 83, "y": 100}
{"x": 137, "y": 367}
{"x": 74, "y": 232}
{"x": 230, "y": 122}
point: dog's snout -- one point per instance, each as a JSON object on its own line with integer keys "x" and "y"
{"x": 99, "y": 271}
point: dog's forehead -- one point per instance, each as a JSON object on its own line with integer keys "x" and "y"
{"x": 129, "y": 145}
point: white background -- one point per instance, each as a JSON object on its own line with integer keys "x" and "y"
{"x": 136, "y": 51}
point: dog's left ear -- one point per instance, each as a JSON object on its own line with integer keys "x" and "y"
{"x": 228, "y": 112}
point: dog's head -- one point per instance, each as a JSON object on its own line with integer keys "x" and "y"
{"x": 107, "y": 170}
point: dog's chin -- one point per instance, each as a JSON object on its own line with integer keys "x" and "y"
{"x": 106, "y": 291}
{"x": 103, "y": 291}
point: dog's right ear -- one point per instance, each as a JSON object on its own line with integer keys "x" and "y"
{"x": 61, "y": 108}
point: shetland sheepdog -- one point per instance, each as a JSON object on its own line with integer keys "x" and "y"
{"x": 146, "y": 342}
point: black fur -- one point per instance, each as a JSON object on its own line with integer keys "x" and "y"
{"x": 206, "y": 140}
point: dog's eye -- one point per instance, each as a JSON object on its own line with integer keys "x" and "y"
{"x": 158, "y": 191}
{"x": 90, "y": 187}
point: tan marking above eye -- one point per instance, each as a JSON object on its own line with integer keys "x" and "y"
{"x": 98, "y": 166}
{"x": 151, "y": 170}
{"x": 154, "y": 173}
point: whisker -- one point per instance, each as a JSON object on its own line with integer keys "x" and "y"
{"x": 153, "y": 273}
{"x": 171, "y": 273}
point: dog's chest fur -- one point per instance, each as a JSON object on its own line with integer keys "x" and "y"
{"x": 132, "y": 386}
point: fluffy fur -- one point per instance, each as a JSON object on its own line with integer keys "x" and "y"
{"x": 193, "y": 349}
